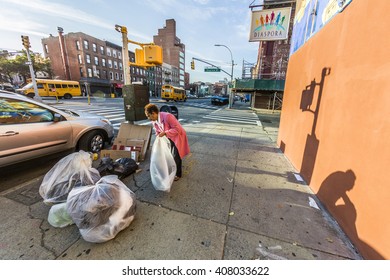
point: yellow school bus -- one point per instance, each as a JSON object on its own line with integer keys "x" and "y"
{"x": 55, "y": 88}
{"x": 169, "y": 92}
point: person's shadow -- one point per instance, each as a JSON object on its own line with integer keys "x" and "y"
{"x": 333, "y": 189}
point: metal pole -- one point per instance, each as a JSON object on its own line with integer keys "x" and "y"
{"x": 36, "y": 95}
{"x": 231, "y": 75}
{"x": 125, "y": 50}
{"x": 273, "y": 103}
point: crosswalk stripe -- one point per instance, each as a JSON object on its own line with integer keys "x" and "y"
{"x": 230, "y": 119}
{"x": 234, "y": 116}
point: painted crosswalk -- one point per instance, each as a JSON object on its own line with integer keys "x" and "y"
{"x": 115, "y": 115}
{"x": 234, "y": 116}
{"x": 203, "y": 105}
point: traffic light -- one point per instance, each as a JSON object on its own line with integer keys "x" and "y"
{"x": 193, "y": 65}
{"x": 153, "y": 54}
{"x": 140, "y": 57}
{"x": 26, "y": 42}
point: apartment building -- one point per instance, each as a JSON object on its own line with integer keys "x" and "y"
{"x": 173, "y": 53}
{"x": 96, "y": 64}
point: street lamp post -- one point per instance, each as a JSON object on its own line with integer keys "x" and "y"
{"x": 231, "y": 75}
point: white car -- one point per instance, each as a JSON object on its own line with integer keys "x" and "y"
{"x": 30, "y": 129}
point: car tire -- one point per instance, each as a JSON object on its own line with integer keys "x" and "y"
{"x": 92, "y": 142}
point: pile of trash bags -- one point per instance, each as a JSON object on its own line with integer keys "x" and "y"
{"x": 100, "y": 206}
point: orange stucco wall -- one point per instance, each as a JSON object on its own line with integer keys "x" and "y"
{"x": 335, "y": 121}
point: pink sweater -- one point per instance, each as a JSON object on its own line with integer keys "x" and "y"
{"x": 174, "y": 131}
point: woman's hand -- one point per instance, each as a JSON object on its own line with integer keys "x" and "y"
{"x": 162, "y": 134}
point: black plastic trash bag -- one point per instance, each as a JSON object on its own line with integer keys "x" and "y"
{"x": 71, "y": 171}
{"x": 122, "y": 167}
{"x": 102, "y": 210}
{"x": 105, "y": 166}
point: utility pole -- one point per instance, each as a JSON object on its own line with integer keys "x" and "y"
{"x": 125, "y": 53}
{"x": 64, "y": 54}
{"x": 26, "y": 44}
{"x": 135, "y": 97}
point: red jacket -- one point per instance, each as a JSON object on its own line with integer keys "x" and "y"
{"x": 174, "y": 131}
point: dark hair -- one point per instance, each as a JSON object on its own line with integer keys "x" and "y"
{"x": 151, "y": 108}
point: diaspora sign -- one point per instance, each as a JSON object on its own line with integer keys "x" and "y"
{"x": 270, "y": 25}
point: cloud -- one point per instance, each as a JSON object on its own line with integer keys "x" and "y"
{"x": 58, "y": 10}
{"x": 192, "y": 12}
{"x": 11, "y": 21}
{"x": 39, "y": 8}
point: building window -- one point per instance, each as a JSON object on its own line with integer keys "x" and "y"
{"x": 108, "y": 51}
{"x": 103, "y": 62}
{"x": 46, "y": 48}
{"x": 116, "y": 76}
{"x": 90, "y": 72}
{"x": 120, "y": 66}
{"x": 81, "y": 72}
{"x": 88, "y": 58}
{"x": 115, "y": 65}
{"x": 80, "y": 59}
{"x": 121, "y": 77}
{"x": 98, "y": 73}
{"x": 114, "y": 53}
{"x": 101, "y": 50}
{"x": 109, "y": 63}
{"x": 104, "y": 74}
{"x": 111, "y": 76}
{"x": 119, "y": 55}
{"x": 86, "y": 45}
{"x": 96, "y": 60}
{"x": 94, "y": 47}
{"x": 78, "y": 45}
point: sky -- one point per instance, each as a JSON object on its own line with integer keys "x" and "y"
{"x": 200, "y": 24}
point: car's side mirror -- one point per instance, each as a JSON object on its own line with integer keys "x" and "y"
{"x": 57, "y": 117}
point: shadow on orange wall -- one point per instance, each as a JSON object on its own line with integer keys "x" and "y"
{"x": 333, "y": 189}
{"x": 312, "y": 143}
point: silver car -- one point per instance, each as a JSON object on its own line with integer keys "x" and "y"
{"x": 30, "y": 129}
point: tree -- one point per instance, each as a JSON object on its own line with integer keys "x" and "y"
{"x": 17, "y": 66}
{"x": 7, "y": 68}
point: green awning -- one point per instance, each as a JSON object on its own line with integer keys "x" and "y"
{"x": 258, "y": 84}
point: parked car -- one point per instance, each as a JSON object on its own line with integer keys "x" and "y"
{"x": 219, "y": 100}
{"x": 7, "y": 87}
{"x": 30, "y": 129}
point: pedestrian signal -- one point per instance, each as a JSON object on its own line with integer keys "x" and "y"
{"x": 26, "y": 42}
{"x": 153, "y": 54}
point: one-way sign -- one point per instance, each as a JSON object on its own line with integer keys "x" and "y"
{"x": 212, "y": 69}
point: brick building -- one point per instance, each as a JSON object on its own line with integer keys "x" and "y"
{"x": 173, "y": 53}
{"x": 95, "y": 63}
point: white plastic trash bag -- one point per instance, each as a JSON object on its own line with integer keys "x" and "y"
{"x": 162, "y": 165}
{"x": 58, "y": 216}
{"x": 72, "y": 170}
{"x": 102, "y": 210}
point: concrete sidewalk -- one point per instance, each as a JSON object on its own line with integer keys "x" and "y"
{"x": 239, "y": 198}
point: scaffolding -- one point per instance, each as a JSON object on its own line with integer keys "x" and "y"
{"x": 248, "y": 70}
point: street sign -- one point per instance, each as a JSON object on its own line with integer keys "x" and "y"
{"x": 212, "y": 69}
